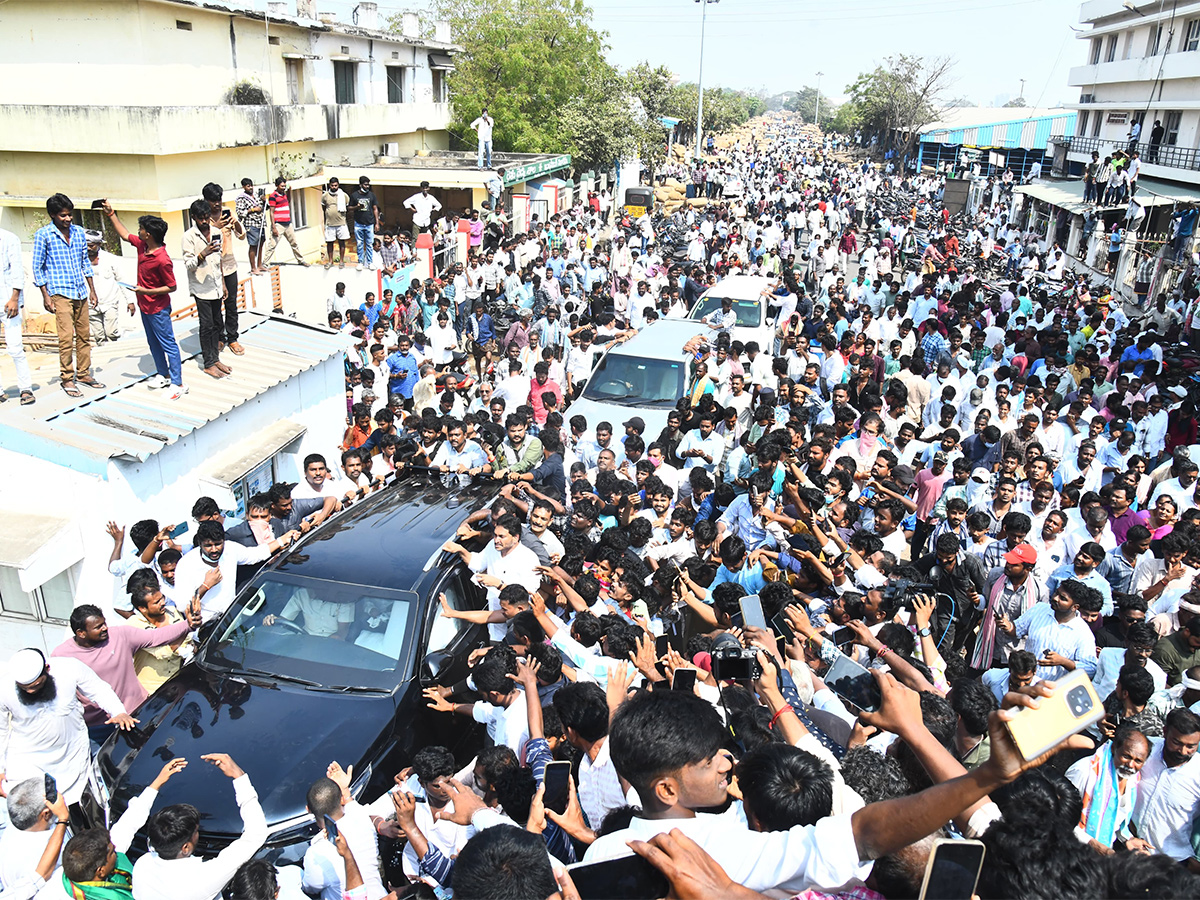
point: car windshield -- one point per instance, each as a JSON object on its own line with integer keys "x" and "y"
{"x": 324, "y": 632}
{"x": 636, "y": 381}
{"x": 748, "y": 311}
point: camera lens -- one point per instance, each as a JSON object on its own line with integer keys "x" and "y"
{"x": 1079, "y": 701}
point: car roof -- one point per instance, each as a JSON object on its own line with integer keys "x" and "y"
{"x": 739, "y": 287}
{"x": 387, "y": 539}
{"x": 663, "y": 339}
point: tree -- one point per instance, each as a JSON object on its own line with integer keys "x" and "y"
{"x": 526, "y": 63}
{"x": 1018, "y": 103}
{"x": 804, "y": 102}
{"x": 900, "y": 97}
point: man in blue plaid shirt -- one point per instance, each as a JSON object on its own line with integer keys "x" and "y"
{"x": 62, "y": 270}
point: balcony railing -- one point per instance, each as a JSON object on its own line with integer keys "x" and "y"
{"x": 1168, "y": 155}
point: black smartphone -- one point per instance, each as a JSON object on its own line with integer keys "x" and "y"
{"x": 51, "y": 789}
{"x": 662, "y": 644}
{"x": 684, "y": 680}
{"x": 557, "y": 795}
{"x": 844, "y": 636}
{"x": 782, "y": 629}
{"x": 737, "y": 619}
{"x": 852, "y": 682}
{"x": 97, "y": 204}
{"x": 331, "y": 829}
{"x": 628, "y": 877}
{"x": 953, "y": 870}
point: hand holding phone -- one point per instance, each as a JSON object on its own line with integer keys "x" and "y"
{"x": 952, "y": 871}
{"x": 557, "y": 793}
{"x": 331, "y": 829}
{"x": 684, "y": 680}
{"x": 51, "y": 789}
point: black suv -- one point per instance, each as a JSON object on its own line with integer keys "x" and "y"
{"x": 322, "y": 657}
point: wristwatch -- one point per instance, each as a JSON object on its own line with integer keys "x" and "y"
{"x": 925, "y": 632}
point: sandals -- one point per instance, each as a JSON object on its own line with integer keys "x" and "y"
{"x": 90, "y": 382}
{"x": 27, "y": 398}
{"x": 70, "y": 390}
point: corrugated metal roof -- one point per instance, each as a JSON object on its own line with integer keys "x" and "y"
{"x": 133, "y": 421}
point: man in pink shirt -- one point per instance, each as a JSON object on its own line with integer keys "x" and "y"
{"x": 108, "y": 651}
{"x": 542, "y": 385}
{"x": 929, "y": 483}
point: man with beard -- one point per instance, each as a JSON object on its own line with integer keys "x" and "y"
{"x": 208, "y": 572}
{"x": 41, "y": 718}
{"x": 1169, "y": 790}
{"x": 1108, "y": 783}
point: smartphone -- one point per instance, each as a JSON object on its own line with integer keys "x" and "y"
{"x": 662, "y": 644}
{"x": 844, "y": 636}
{"x": 952, "y": 870}
{"x": 331, "y": 829}
{"x": 782, "y": 629}
{"x": 752, "y": 612}
{"x": 178, "y": 530}
{"x": 558, "y": 777}
{"x": 684, "y": 680}
{"x": 51, "y": 789}
{"x": 1072, "y": 707}
{"x": 628, "y": 877}
{"x": 97, "y": 204}
{"x": 852, "y": 682}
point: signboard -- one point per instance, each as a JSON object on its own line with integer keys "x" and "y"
{"x": 1117, "y": 118}
{"x": 525, "y": 171}
{"x": 996, "y": 159}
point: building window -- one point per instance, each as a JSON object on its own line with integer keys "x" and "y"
{"x": 295, "y": 77}
{"x": 1171, "y": 127}
{"x": 1096, "y": 123}
{"x": 1155, "y": 40}
{"x": 299, "y": 210}
{"x": 1192, "y": 39}
{"x": 395, "y": 84}
{"x": 181, "y": 25}
{"x": 344, "y": 75}
{"x": 1082, "y": 123}
{"x": 439, "y": 86}
{"x": 1110, "y": 48}
{"x": 52, "y": 602}
{"x": 273, "y": 40}
{"x": 256, "y": 481}
{"x": 1097, "y": 46}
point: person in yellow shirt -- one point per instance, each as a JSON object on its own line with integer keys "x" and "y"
{"x": 154, "y": 665}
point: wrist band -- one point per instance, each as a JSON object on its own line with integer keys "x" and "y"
{"x": 884, "y": 649}
{"x": 775, "y": 718}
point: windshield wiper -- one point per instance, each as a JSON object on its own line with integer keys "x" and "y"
{"x": 355, "y": 689}
{"x": 291, "y": 679}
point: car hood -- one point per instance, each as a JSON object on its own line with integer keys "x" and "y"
{"x": 282, "y": 735}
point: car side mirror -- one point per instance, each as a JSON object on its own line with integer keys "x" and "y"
{"x": 432, "y": 665}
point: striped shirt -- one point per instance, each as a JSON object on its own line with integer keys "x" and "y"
{"x": 1072, "y": 639}
{"x": 61, "y": 265}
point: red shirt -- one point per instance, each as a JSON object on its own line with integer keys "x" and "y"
{"x": 281, "y": 209}
{"x": 154, "y": 269}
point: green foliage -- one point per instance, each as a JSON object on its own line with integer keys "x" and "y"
{"x": 804, "y": 102}
{"x": 526, "y": 63}
{"x": 900, "y": 97}
{"x": 1018, "y": 103}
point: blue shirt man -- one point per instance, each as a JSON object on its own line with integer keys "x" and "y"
{"x": 402, "y": 367}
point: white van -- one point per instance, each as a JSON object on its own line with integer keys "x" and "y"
{"x": 643, "y": 377}
{"x": 753, "y": 321}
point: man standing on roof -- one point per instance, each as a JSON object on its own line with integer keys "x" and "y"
{"x": 423, "y": 206}
{"x": 12, "y": 294}
{"x": 483, "y": 128}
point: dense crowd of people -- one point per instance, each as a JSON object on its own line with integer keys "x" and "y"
{"x": 970, "y": 487}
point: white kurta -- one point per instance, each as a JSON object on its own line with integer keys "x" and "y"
{"x": 51, "y": 738}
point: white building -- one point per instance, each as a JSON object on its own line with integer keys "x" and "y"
{"x": 127, "y": 453}
{"x": 145, "y": 101}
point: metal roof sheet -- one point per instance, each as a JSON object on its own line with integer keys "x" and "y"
{"x": 131, "y": 421}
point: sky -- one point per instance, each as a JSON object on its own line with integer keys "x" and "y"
{"x": 779, "y": 45}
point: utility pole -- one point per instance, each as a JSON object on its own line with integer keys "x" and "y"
{"x": 1022, "y": 94}
{"x": 817, "y": 111}
{"x": 700, "y": 79}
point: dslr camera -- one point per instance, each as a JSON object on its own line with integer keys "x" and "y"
{"x": 735, "y": 664}
{"x": 900, "y": 593}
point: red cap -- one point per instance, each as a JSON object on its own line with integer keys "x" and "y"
{"x": 1022, "y": 553}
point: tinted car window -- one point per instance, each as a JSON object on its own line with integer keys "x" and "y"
{"x": 749, "y": 312}
{"x": 443, "y": 629}
{"x": 323, "y": 631}
{"x": 635, "y": 381}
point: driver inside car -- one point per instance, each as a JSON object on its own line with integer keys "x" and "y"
{"x": 320, "y": 618}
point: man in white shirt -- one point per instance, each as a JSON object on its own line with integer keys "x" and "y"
{"x": 12, "y": 296}
{"x": 583, "y": 711}
{"x": 209, "y": 570}
{"x": 483, "y": 129}
{"x": 324, "y": 868}
{"x": 1169, "y": 792}
{"x": 423, "y": 206}
{"x": 702, "y": 446}
{"x": 502, "y": 562}
{"x": 171, "y": 872}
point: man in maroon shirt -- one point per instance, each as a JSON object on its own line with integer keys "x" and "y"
{"x": 108, "y": 651}
{"x": 156, "y": 282}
